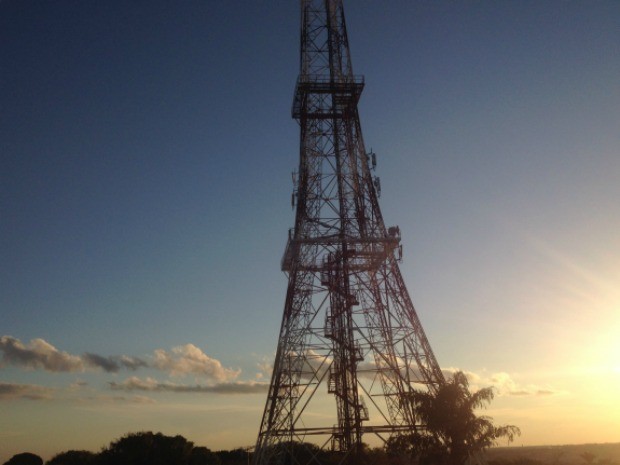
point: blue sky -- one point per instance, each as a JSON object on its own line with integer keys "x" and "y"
{"x": 146, "y": 151}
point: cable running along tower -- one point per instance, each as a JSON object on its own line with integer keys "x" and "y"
{"x": 351, "y": 346}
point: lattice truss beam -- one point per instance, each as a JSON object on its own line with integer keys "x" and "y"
{"x": 351, "y": 346}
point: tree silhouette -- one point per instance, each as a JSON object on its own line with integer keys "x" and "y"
{"x": 453, "y": 433}
{"x": 147, "y": 448}
{"x": 25, "y": 458}
{"x": 203, "y": 456}
{"x": 233, "y": 457}
{"x": 73, "y": 457}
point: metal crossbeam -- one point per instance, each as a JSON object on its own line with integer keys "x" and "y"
{"x": 349, "y": 330}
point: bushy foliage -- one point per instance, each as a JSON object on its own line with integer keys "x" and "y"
{"x": 147, "y": 448}
{"x": 25, "y": 458}
{"x": 74, "y": 457}
{"x": 299, "y": 453}
{"x": 232, "y": 457}
{"x": 203, "y": 456}
{"x": 453, "y": 432}
{"x": 143, "y": 448}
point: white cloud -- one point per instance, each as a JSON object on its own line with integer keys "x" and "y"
{"x": 503, "y": 384}
{"x": 182, "y": 360}
{"x": 265, "y": 369}
{"x": 113, "y": 364}
{"x": 39, "y": 354}
{"x": 189, "y": 359}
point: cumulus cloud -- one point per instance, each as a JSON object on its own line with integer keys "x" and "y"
{"x": 474, "y": 379}
{"x": 265, "y": 368}
{"x": 113, "y": 364}
{"x": 98, "y": 361}
{"x": 131, "y": 363}
{"x": 182, "y": 360}
{"x": 10, "y": 391}
{"x": 39, "y": 354}
{"x": 189, "y": 359}
{"x": 152, "y": 385}
{"x": 503, "y": 384}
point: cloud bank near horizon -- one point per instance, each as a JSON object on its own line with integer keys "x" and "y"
{"x": 151, "y": 385}
{"x": 10, "y": 391}
{"x": 186, "y": 360}
{"x": 180, "y": 361}
{"x": 183, "y": 360}
{"x": 502, "y": 383}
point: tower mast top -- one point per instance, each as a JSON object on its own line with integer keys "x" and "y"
{"x": 324, "y": 42}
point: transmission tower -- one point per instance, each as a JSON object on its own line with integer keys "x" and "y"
{"x": 351, "y": 347}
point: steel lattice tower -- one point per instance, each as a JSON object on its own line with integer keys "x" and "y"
{"x": 351, "y": 346}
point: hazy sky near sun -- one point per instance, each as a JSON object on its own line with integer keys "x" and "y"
{"x": 146, "y": 151}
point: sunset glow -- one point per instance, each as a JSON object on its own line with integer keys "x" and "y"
{"x": 145, "y": 200}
